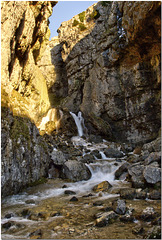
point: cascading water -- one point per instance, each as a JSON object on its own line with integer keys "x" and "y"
{"x": 79, "y": 121}
{"x": 101, "y": 169}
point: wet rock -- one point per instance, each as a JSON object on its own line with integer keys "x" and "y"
{"x": 128, "y": 193}
{"x": 88, "y": 158}
{"x": 98, "y": 203}
{"x": 152, "y": 174}
{"x": 106, "y": 218}
{"x": 97, "y": 154}
{"x": 74, "y": 199}
{"x": 128, "y": 217}
{"x": 9, "y": 215}
{"x": 154, "y": 146}
{"x": 123, "y": 168}
{"x": 30, "y": 201}
{"x": 154, "y": 195}
{"x": 138, "y": 229}
{"x": 58, "y": 157}
{"x": 113, "y": 153}
{"x": 25, "y": 213}
{"x": 153, "y": 233}
{"x": 88, "y": 195}
{"x": 136, "y": 173}
{"x": 153, "y": 157}
{"x": 43, "y": 215}
{"x": 7, "y": 225}
{"x": 95, "y": 138}
{"x": 148, "y": 214}
{"x": 102, "y": 187}
{"x": 119, "y": 206}
{"x": 36, "y": 234}
{"x": 69, "y": 192}
{"x": 76, "y": 171}
{"x": 141, "y": 194}
{"x": 55, "y": 214}
{"x": 64, "y": 186}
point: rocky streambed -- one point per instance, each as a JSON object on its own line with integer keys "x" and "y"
{"x": 105, "y": 191}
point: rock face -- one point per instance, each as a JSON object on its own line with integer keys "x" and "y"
{"x": 110, "y": 58}
{"x": 24, "y": 36}
{"x": 24, "y": 154}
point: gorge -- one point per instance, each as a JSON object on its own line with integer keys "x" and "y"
{"x": 102, "y": 73}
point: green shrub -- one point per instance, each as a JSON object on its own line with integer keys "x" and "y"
{"x": 82, "y": 27}
{"x": 94, "y": 15}
{"x": 75, "y": 23}
{"x": 81, "y": 16}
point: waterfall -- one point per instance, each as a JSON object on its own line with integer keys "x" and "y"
{"x": 79, "y": 121}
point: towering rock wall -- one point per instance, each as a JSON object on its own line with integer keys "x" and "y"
{"x": 24, "y": 35}
{"x": 110, "y": 56}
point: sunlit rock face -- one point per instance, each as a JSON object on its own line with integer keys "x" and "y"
{"x": 24, "y": 35}
{"x": 110, "y": 56}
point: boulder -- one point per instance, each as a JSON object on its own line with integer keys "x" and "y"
{"x": 148, "y": 214}
{"x": 75, "y": 171}
{"x": 106, "y": 218}
{"x": 113, "y": 153}
{"x": 136, "y": 173}
{"x": 102, "y": 187}
{"x": 119, "y": 206}
{"x": 69, "y": 192}
{"x": 153, "y": 157}
{"x": 154, "y": 195}
{"x": 128, "y": 193}
{"x": 58, "y": 157}
{"x": 154, "y": 146}
{"x": 152, "y": 174}
{"x": 123, "y": 168}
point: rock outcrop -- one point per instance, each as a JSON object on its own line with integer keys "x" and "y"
{"x": 110, "y": 58}
{"x": 24, "y": 36}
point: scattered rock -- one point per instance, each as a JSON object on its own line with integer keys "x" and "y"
{"x": 88, "y": 195}
{"x": 106, "y": 218}
{"x": 154, "y": 156}
{"x": 119, "y": 206}
{"x": 128, "y": 193}
{"x": 9, "y": 215}
{"x": 73, "y": 199}
{"x": 30, "y": 201}
{"x": 55, "y": 214}
{"x": 76, "y": 171}
{"x": 136, "y": 173}
{"x": 69, "y": 192}
{"x": 97, "y": 154}
{"x": 138, "y": 229}
{"x": 98, "y": 203}
{"x": 152, "y": 174}
{"x": 88, "y": 158}
{"x": 64, "y": 186}
{"x": 7, "y": 225}
{"x": 153, "y": 233}
{"x": 128, "y": 217}
{"x": 102, "y": 187}
{"x": 149, "y": 214}
{"x": 154, "y": 146}
{"x": 36, "y": 234}
{"x": 123, "y": 168}
{"x": 154, "y": 195}
{"x": 141, "y": 194}
{"x": 113, "y": 153}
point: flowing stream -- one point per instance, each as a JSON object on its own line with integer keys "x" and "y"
{"x": 40, "y": 196}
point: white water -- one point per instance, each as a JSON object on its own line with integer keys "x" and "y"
{"x": 79, "y": 121}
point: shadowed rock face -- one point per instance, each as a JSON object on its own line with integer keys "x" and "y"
{"x": 112, "y": 68}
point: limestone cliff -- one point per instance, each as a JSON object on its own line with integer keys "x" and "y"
{"x": 24, "y": 35}
{"x": 109, "y": 60}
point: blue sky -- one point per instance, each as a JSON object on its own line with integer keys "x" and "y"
{"x": 65, "y": 10}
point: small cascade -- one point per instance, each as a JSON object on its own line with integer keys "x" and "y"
{"x": 79, "y": 121}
